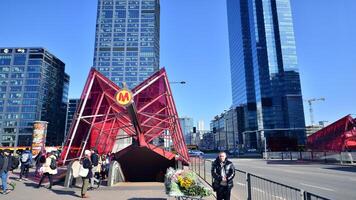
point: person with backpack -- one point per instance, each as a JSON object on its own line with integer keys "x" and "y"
{"x": 49, "y": 169}
{"x": 95, "y": 160}
{"x": 87, "y": 166}
{"x": 40, "y": 160}
{"x": 26, "y": 162}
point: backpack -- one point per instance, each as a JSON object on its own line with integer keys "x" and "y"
{"x": 15, "y": 163}
{"x": 53, "y": 164}
{"x": 25, "y": 157}
{"x": 95, "y": 159}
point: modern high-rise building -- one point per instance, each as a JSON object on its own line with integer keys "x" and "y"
{"x": 127, "y": 40}
{"x": 200, "y": 125}
{"x": 33, "y": 86}
{"x": 264, "y": 72}
{"x": 71, "y": 108}
{"x": 187, "y": 123}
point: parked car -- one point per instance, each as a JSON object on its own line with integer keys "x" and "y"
{"x": 195, "y": 153}
{"x": 235, "y": 152}
{"x": 252, "y": 151}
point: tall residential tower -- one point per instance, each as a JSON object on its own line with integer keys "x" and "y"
{"x": 264, "y": 72}
{"x": 127, "y": 40}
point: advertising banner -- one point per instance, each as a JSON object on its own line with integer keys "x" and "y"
{"x": 39, "y": 136}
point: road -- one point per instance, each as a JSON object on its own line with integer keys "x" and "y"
{"x": 332, "y": 181}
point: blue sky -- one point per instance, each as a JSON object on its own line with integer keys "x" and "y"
{"x": 194, "y": 48}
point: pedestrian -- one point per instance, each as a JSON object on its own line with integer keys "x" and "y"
{"x": 87, "y": 164}
{"x": 223, "y": 172}
{"x": 15, "y": 162}
{"x": 49, "y": 169}
{"x": 26, "y": 162}
{"x": 95, "y": 160}
{"x": 5, "y": 167}
{"x": 40, "y": 160}
{"x": 105, "y": 166}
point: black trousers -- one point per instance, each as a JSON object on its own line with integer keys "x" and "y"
{"x": 24, "y": 170}
{"x": 49, "y": 178}
{"x": 223, "y": 193}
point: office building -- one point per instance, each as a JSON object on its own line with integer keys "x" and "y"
{"x": 187, "y": 123}
{"x": 127, "y": 40}
{"x": 33, "y": 86}
{"x": 71, "y": 108}
{"x": 264, "y": 72}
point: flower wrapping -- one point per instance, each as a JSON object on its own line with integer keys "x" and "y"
{"x": 184, "y": 183}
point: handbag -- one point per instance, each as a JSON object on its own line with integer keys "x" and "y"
{"x": 83, "y": 172}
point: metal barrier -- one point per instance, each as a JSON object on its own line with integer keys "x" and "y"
{"x": 252, "y": 187}
{"x": 321, "y": 156}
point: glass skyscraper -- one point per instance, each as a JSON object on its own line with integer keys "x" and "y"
{"x": 71, "y": 108}
{"x": 264, "y": 73}
{"x": 187, "y": 124}
{"x": 33, "y": 86}
{"x": 127, "y": 40}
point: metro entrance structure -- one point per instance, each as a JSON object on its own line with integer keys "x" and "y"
{"x": 101, "y": 122}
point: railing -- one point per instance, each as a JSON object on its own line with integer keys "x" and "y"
{"x": 322, "y": 156}
{"x": 252, "y": 187}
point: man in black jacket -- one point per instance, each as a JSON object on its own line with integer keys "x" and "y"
{"x": 223, "y": 172}
{"x": 5, "y": 167}
{"x": 94, "y": 158}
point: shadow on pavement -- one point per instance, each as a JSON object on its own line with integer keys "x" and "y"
{"x": 65, "y": 192}
{"x": 31, "y": 184}
{"x": 147, "y": 199}
{"x": 344, "y": 169}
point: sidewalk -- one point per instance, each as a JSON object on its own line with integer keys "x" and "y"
{"x": 26, "y": 190}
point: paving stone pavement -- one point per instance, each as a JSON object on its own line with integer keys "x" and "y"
{"x": 25, "y": 190}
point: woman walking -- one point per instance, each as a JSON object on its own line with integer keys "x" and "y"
{"x": 49, "y": 169}
{"x": 87, "y": 164}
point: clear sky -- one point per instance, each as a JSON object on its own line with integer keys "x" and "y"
{"x": 194, "y": 48}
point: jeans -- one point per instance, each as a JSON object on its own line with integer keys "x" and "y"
{"x": 4, "y": 180}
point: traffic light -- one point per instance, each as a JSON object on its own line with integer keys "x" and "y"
{"x": 214, "y": 130}
{"x": 194, "y": 129}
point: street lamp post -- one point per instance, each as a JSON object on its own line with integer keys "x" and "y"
{"x": 177, "y": 82}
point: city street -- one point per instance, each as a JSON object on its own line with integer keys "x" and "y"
{"x": 332, "y": 181}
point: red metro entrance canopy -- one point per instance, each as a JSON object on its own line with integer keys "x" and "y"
{"x": 99, "y": 118}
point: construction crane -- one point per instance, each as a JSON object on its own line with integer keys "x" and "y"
{"x": 310, "y": 101}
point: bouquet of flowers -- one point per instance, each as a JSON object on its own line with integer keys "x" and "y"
{"x": 184, "y": 183}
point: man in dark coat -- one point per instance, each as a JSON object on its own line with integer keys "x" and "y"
{"x": 223, "y": 172}
{"x": 5, "y": 167}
